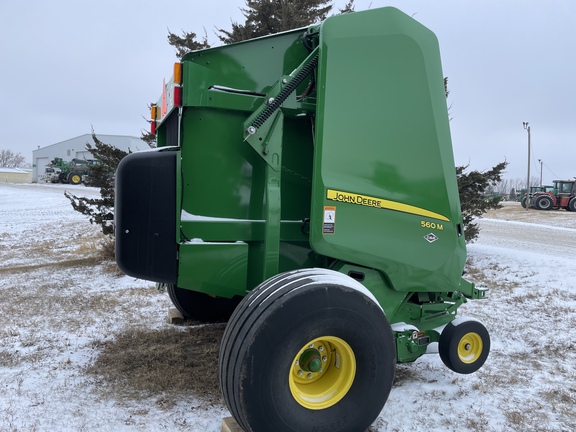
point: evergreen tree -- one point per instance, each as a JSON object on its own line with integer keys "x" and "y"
{"x": 264, "y": 17}
{"x": 473, "y": 188}
{"x": 100, "y": 210}
{"x": 187, "y": 42}
{"x": 349, "y": 7}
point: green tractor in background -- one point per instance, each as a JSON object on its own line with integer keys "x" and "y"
{"x": 304, "y": 187}
{"x": 71, "y": 172}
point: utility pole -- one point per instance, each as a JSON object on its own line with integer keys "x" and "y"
{"x": 527, "y": 127}
{"x": 541, "y": 162}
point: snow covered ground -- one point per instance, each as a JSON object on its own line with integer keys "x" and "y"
{"x": 60, "y": 313}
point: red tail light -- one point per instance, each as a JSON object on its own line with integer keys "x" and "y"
{"x": 177, "y": 96}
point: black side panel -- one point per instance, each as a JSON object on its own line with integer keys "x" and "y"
{"x": 145, "y": 216}
{"x": 171, "y": 127}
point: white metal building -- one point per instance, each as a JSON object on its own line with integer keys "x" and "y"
{"x": 15, "y": 175}
{"x": 76, "y": 148}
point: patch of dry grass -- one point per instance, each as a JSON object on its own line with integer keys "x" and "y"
{"x": 9, "y": 358}
{"x": 166, "y": 364}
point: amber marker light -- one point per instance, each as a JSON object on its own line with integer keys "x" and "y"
{"x": 178, "y": 73}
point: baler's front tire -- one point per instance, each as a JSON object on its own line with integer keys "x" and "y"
{"x": 464, "y": 345}
{"x": 201, "y": 307}
{"x": 307, "y": 351}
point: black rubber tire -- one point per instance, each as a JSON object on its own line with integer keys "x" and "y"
{"x": 453, "y": 335}
{"x": 525, "y": 202}
{"x": 198, "y": 306}
{"x": 74, "y": 178}
{"x": 571, "y": 205}
{"x": 543, "y": 202}
{"x": 274, "y": 322}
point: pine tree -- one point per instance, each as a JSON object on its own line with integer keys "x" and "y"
{"x": 349, "y": 7}
{"x": 187, "y": 42}
{"x": 264, "y": 17}
{"x": 474, "y": 201}
{"x": 100, "y": 210}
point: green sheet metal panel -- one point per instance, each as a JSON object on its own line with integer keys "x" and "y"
{"x": 223, "y": 180}
{"x": 384, "y": 168}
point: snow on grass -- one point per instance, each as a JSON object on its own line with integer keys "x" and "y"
{"x": 81, "y": 348}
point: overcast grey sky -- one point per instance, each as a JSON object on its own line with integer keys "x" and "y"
{"x": 69, "y": 65}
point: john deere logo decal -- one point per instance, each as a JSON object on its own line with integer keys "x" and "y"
{"x": 431, "y": 238}
{"x": 380, "y": 203}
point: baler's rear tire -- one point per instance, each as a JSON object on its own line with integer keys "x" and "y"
{"x": 201, "y": 307}
{"x": 464, "y": 345}
{"x": 307, "y": 350}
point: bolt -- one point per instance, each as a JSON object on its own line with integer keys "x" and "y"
{"x": 300, "y": 373}
{"x": 321, "y": 348}
{"x": 309, "y": 375}
{"x": 284, "y": 81}
{"x": 251, "y": 130}
{"x": 127, "y": 231}
{"x": 270, "y": 100}
{"x": 321, "y": 370}
{"x": 467, "y": 347}
{"x": 297, "y": 362}
{"x": 311, "y": 345}
{"x": 265, "y": 151}
{"x": 324, "y": 358}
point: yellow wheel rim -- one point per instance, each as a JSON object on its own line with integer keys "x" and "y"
{"x": 75, "y": 179}
{"x": 322, "y": 372}
{"x": 470, "y": 348}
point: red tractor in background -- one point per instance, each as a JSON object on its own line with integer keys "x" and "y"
{"x": 563, "y": 196}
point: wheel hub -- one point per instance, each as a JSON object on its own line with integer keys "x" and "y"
{"x": 310, "y": 360}
{"x": 470, "y": 347}
{"x": 322, "y": 372}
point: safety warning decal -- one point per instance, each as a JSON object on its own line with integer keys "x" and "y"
{"x": 329, "y": 224}
{"x": 368, "y": 201}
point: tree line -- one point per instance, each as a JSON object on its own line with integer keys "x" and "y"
{"x": 10, "y": 159}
